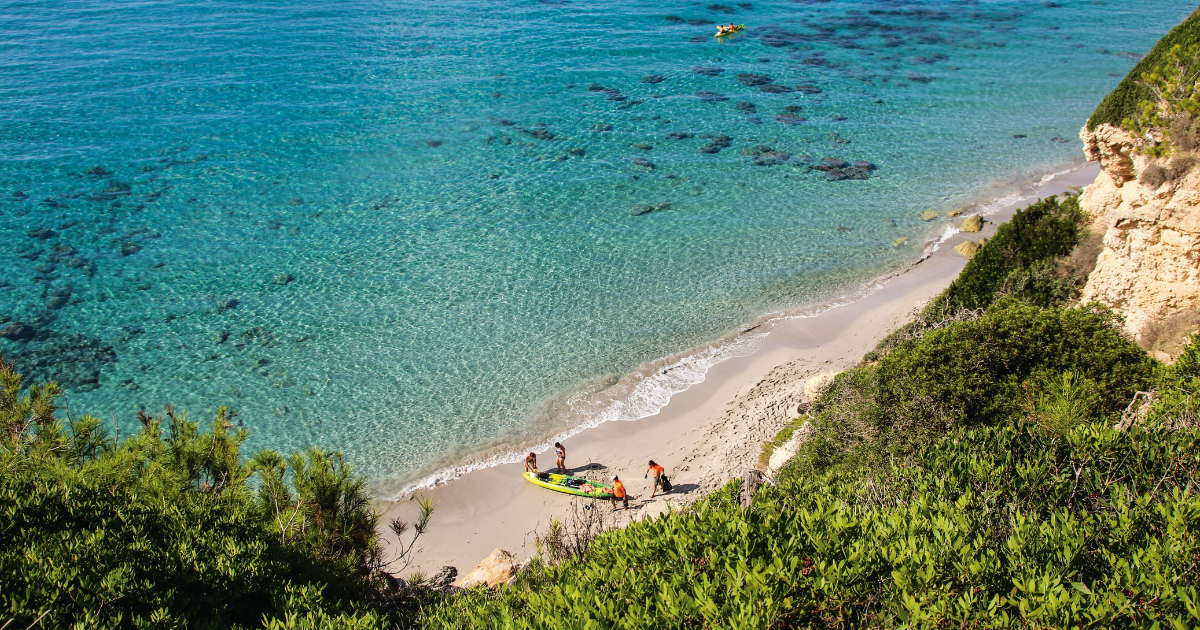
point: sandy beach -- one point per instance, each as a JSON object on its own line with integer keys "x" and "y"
{"x": 706, "y": 435}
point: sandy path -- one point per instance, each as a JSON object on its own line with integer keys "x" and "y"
{"x": 706, "y": 435}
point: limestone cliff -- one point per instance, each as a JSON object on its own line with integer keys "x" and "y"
{"x": 1149, "y": 267}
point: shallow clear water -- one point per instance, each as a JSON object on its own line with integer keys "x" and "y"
{"x": 409, "y": 230}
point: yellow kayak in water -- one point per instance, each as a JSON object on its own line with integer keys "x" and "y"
{"x": 723, "y": 31}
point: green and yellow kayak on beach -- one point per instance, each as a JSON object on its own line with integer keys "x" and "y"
{"x": 577, "y": 486}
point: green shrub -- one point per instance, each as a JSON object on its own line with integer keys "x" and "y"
{"x": 973, "y": 373}
{"x": 989, "y": 528}
{"x": 164, "y": 528}
{"x": 1021, "y": 254}
{"x": 1124, "y": 101}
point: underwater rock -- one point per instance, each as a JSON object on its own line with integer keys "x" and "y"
{"x": 644, "y": 163}
{"x": 953, "y": 213}
{"x": 576, "y": 152}
{"x": 615, "y": 95}
{"x": 837, "y": 139}
{"x": 504, "y": 122}
{"x": 746, "y": 107}
{"x": 700, "y": 22}
{"x": 433, "y": 143}
{"x": 809, "y": 87}
{"x": 720, "y": 8}
{"x": 129, "y": 249}
{"x": 1059, "y": 139}
{"x": 596, "y": 87}
{"x": 1018, "y": 136}
{"x": 777, "y": 37}
{"x": 679, "y": 135}
{"x": 539, "y": 133}
{"x": 58, "y": 298}
{"x": 789, "y": 118}
{"x": 775, "y": 89}
{"x": 640, "y": 209}
{"x": 20, "y": 195}
{"x": 750, "y": 79}
{"x": 41, "y": 233}
{"x": 642, "y": 146}
{"x": 653, "y": 79}
{"x": 746, "y": 6}
{"x": 51, "y": 202}
{"x": 674, "y": 19}
{"x": 716, "y": 144}
{"x": 919, "y": 78}
{"x": 792, "y": 109}
{"x": 222, "y": 337}
{"x": 700, "y": 39}
{"x": 837, "y": 118}
{"x": 708, "y": 71}
{"x": 262, "y": 336}
{"x": 17, "y": 331}
{"x": 711, "y": 97}
{"x": 772, "y": 158}
{"x": 602, "y": 127}
{"x": 228, "y": 304}
{"x": 284, "y": 279}
{"x": 929, "y": 215}
{"x": 97, "y": 171}
{"x": 865, "y": 165}
{"x": 296, "y": 201}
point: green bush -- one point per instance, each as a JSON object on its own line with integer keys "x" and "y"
{"x": 1125, "y": 100}
{"x": 164, "y": 528}
{"x": 973, "y": 373}
{"x": 995, "y": 527}
{"x": 1020, "y": 254}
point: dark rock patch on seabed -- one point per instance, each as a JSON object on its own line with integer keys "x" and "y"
{"x": 750, "y": 79}
{"x": 711, "y": 97}
{"x": 716, "y": 144}
{"x": 653, "y": 79}
{"x": 708, "y": 71}
{"x": 640, "y": 209}
{"x": 679, "y": 135}
{"x": 837, "y": 169}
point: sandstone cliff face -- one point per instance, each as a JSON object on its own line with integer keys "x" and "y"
{"x": 1149, "y": 267}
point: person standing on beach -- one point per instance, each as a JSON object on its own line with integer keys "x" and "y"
{"x": 618, "y": 493}
{"x": 658, "y": 471}
{"x": 560, "y": 455}
{"x": 531, "y": 462}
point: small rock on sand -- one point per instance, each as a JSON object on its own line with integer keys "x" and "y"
{"x": 968, "y": 248}
{"x": 972, "y": 224}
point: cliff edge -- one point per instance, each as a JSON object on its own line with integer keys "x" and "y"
{"x": 1148, "y": 210}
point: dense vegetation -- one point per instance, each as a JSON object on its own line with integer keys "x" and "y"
{"x": 172, "y": 528}
{"x": 974, "y": 472}
{"x": 1124, "y": 102}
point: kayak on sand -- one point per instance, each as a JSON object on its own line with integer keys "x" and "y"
{"x": 577, "y": 486}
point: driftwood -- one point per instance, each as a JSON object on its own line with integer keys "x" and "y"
{"x": 1135, "y": 411}
{"x": 750, "y": 483}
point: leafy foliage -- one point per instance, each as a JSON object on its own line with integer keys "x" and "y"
{"x": 991, "y": 527}
{"x": 164, "y": 528}
{"x": 1124, "y": 101}
{"x": 1018, "y": 260}
{"x": 1173, "y": 97}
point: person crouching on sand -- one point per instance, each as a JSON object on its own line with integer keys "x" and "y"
{"x": 658, "y": 471}
{"x": 618, "y": 493}
{"x": 560, "y": 460}
{"x": 531, "y": 463}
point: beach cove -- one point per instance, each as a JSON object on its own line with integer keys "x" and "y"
{"x": 708, "y": 434}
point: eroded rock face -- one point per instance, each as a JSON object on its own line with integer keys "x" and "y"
{"x": 1149, "y": 267}
{"x": 499, "y": 568}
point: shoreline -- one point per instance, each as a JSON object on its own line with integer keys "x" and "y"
{"x": 710, "y": 430}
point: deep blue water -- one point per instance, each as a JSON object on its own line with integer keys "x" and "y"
{"x": 417, "y": 231}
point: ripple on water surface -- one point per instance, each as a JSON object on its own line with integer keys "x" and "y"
{"x": 406, "y": 230}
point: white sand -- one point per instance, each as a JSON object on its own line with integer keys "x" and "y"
{"x": 706, "y": 435}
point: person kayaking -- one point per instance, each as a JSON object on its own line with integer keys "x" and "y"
{"x": 618, "y": 493}
{"x": 531, "y": 462}
{"x": 658, "y": 471}
{"x": 560, "y": 455}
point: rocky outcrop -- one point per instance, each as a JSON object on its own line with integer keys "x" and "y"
{"x": 1149, "y": 266}
{"x": 499, "y": 568}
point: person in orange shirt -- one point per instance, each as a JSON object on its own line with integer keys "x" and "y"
{"x": 658, "y": 471}
{"x": 618, "y": 493}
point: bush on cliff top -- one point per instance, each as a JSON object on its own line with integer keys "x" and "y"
{"x": 1123, "y": 102}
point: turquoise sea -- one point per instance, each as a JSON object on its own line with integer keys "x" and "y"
{"x": 430, "y": 233}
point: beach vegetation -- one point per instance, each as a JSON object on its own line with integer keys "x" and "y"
{"x": 171, "y": 527}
